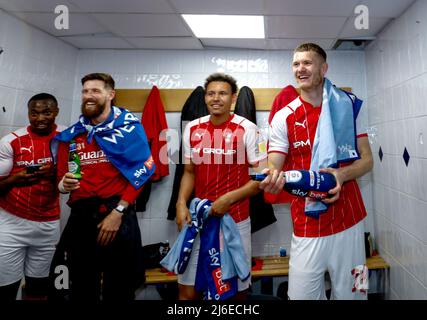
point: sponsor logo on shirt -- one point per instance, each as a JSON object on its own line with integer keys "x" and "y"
{"x": 213, "y": 151}
{"x": 30, "y": 149}
{"x": 298, "y": 144}
{"x": 92, "y": 157}
{"x": 198, "y": 136}
{"x": 32, "y": 162}
{"x": 301, "y": 124}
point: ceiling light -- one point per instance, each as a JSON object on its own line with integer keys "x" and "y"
{"x": 226, "y": 26}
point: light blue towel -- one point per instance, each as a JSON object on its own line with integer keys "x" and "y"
{"x": 335, "y": 139}
{"x": 233, "y": 257}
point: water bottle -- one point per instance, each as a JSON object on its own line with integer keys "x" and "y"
{"x": 309, "y": 183}
{"x": 306, "y": 183}
{"x": 282, "y": 252}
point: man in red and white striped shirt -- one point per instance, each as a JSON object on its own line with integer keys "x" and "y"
{"x": 29, "y": 202}
{"x": 335, "y": 241}
{"x": 219, "y": 149}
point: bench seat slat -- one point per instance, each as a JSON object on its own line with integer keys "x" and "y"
{"x": 273, "y": 266}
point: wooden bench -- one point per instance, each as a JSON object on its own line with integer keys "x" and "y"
{"x": 272, "y": 266}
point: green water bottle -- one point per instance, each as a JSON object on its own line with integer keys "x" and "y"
{"x": 74, "y": 161}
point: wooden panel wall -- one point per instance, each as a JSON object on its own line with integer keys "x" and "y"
{"x": 174, "y": 99}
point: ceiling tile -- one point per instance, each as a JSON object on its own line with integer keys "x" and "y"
{"x": 219, "y": 6}
{"x": 235, "y": 43}
{"x": 166, "y": 43}
{"x": 291, "y": 44}
{"x": 93, "y": 42}
{"x": 121, "y": 6}
{"x": 144, "y": 25}
{"x": 78, "y": 23}
{"x": 303, "y": 27}
{"x": 387, "y": 8}
{"x": 331, "y": 8}
{"x": 152, "y": 24}
{"x": 39, "y": 6}
{"x": 375, "y": 26}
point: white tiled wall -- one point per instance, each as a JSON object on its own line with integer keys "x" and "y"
{"x": 32, "y": 62}
{"x": 396, "y": 65}
{"x": 188, "y": 69}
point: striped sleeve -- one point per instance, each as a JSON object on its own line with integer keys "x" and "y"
{"x": 362, "y": 122}
{"x": 6, "y": 156}
{"x": 278, "y": 134}
{"x": 186, "y": 141}
{"x": 256, "y": 146}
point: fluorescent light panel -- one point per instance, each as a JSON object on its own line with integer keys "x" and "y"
{"x": 226, "y": 26}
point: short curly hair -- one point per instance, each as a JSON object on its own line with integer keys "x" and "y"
{"x": 43, "y": 96}
{"x": 222, "y": 77}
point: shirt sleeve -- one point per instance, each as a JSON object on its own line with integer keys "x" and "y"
{"x": 362, "y": 122}
{"x": 278, "y": 134}
{"x": 256, "y": 145}
{"x": 6, "y": 157}
{"x": 130, "y": 193}
{"x": 186, "y": 141}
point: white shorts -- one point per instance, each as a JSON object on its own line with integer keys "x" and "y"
{"x": 188, "y": 278}
{"x": 26, "y": 247}
{"x": 338, "y": 254}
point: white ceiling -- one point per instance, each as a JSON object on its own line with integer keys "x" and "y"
{"x": 157, "y": 24}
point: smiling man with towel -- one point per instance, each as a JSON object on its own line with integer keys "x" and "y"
{"x": 322, "y": 129}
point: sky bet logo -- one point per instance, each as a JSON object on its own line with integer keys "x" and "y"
{"x": 221, "y": 286}
{"x": 299, "y": 192}
{"x": 138, "y": 173}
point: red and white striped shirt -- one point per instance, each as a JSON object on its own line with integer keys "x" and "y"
{"x": 292, "y": 133}
{"x": 221, "y": 155}
{"x": 37, "y": 202}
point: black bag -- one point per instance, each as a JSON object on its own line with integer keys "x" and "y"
{"x": 154, "y": 253}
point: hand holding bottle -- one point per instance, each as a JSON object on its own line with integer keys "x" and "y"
{"x": 74, "y": 161}
{"x": 302, "y": 183}
{"x": 71, "y": 180}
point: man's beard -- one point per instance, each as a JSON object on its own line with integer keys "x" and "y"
{"x": 92, "y": 111}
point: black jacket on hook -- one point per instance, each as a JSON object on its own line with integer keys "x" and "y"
{"x": 261, "y": 213}
{"x": 195, "y": 107}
